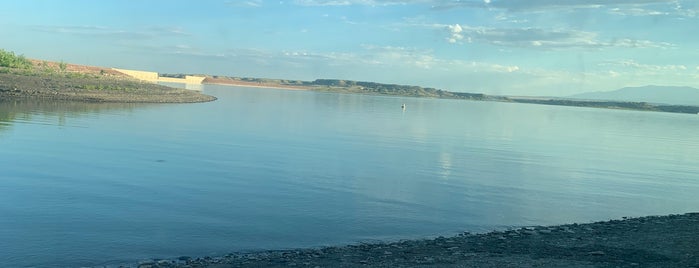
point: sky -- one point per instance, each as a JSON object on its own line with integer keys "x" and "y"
{"x": 512, "y": 47}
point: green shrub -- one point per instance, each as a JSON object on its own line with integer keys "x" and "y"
{"x": 10, "y": 60}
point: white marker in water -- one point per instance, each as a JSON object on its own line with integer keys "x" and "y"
{"x": 403, "y": 106}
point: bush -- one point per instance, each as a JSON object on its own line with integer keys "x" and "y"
{"x": 10, "y": 60}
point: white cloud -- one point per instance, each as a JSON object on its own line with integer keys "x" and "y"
{"x": 322, "y": 3}
{"x": 455, "y": 33}
{"x": 632, "y": 64}
{"x": 617, "y": 7}
{"x": 359, "y": 2}
{"x": 637, "y": 11}
{"x": 504, "y": 69}
{"x": 633, "y": 43}
{"x": 111, "y": 33}
{"x": 540, "y": 38}
{"x": 538, "y": 5}
{"x": 456, "y": 28}
{"x": 254, "y": 3}
{"x": 525, "y": 37}
{"x": 249, "y": 3}
{"x": 398, "y": 56}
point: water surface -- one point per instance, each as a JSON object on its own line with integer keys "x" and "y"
{"x": 86, "y": 184}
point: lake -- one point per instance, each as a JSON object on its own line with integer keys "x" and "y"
{"x": 104, "y": 184}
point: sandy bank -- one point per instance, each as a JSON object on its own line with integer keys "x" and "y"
{"x": 656, "y": 241}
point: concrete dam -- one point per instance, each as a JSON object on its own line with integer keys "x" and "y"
{"x": 155, "y": 77}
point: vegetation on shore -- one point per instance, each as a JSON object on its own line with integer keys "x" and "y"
{"x": 10, "y": 60}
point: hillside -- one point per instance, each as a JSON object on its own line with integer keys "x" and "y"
{"x": 650, "y": 94}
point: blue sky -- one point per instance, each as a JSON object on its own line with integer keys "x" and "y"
{"x": 515, "y": 47}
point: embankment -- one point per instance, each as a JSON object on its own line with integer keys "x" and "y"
{"x": 656, "y": 241}
{"x": 23, "y": 84}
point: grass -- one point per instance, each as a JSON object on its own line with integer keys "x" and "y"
{"x": 10, "y": 60}
{"x": 105, "y": 87}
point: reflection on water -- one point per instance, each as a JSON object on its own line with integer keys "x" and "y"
{"x": 53, "y": 112}
{"x": 197, "y": 87}
{"x": 270, "y": 169}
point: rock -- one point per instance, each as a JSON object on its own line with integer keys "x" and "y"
{"x": 529, "y": 232}
{"x": 146, "y": 262}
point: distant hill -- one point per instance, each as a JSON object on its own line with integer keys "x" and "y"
{"x": 650, "y": 94}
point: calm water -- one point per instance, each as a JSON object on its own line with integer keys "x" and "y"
{"x": 270, "y": 169}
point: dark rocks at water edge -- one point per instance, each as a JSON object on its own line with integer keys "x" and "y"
{"x": 88, "y": 88}
{"x": 655, "y": 241}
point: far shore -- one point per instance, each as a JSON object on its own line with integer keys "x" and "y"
{"x": 253, "y": 85}
{"x": 238, "y": 83}
{"x": 654, "y": 241}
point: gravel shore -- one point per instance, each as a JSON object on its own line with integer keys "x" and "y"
{"x": 655, "y": 241}
{"x": 90, "y": 88}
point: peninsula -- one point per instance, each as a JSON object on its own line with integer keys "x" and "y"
{"x": 22, "y": 78}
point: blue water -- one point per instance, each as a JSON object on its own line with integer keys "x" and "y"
{"x": 87, "y": 184}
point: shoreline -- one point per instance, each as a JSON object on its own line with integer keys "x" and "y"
{"x": 652, "y": 241}
{"x": 260, "y": 86}
{"x": 85, "y": 87}
{"x": 237, "y": 83}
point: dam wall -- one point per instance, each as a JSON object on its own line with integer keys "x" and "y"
{"x": 141, "y": 75}
{"x": 186, "y": 80}
{"x": 155, "y": 77}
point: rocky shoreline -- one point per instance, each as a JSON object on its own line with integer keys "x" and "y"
{"x": 16, "y": 85}
{"x": 654, "y": 241}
